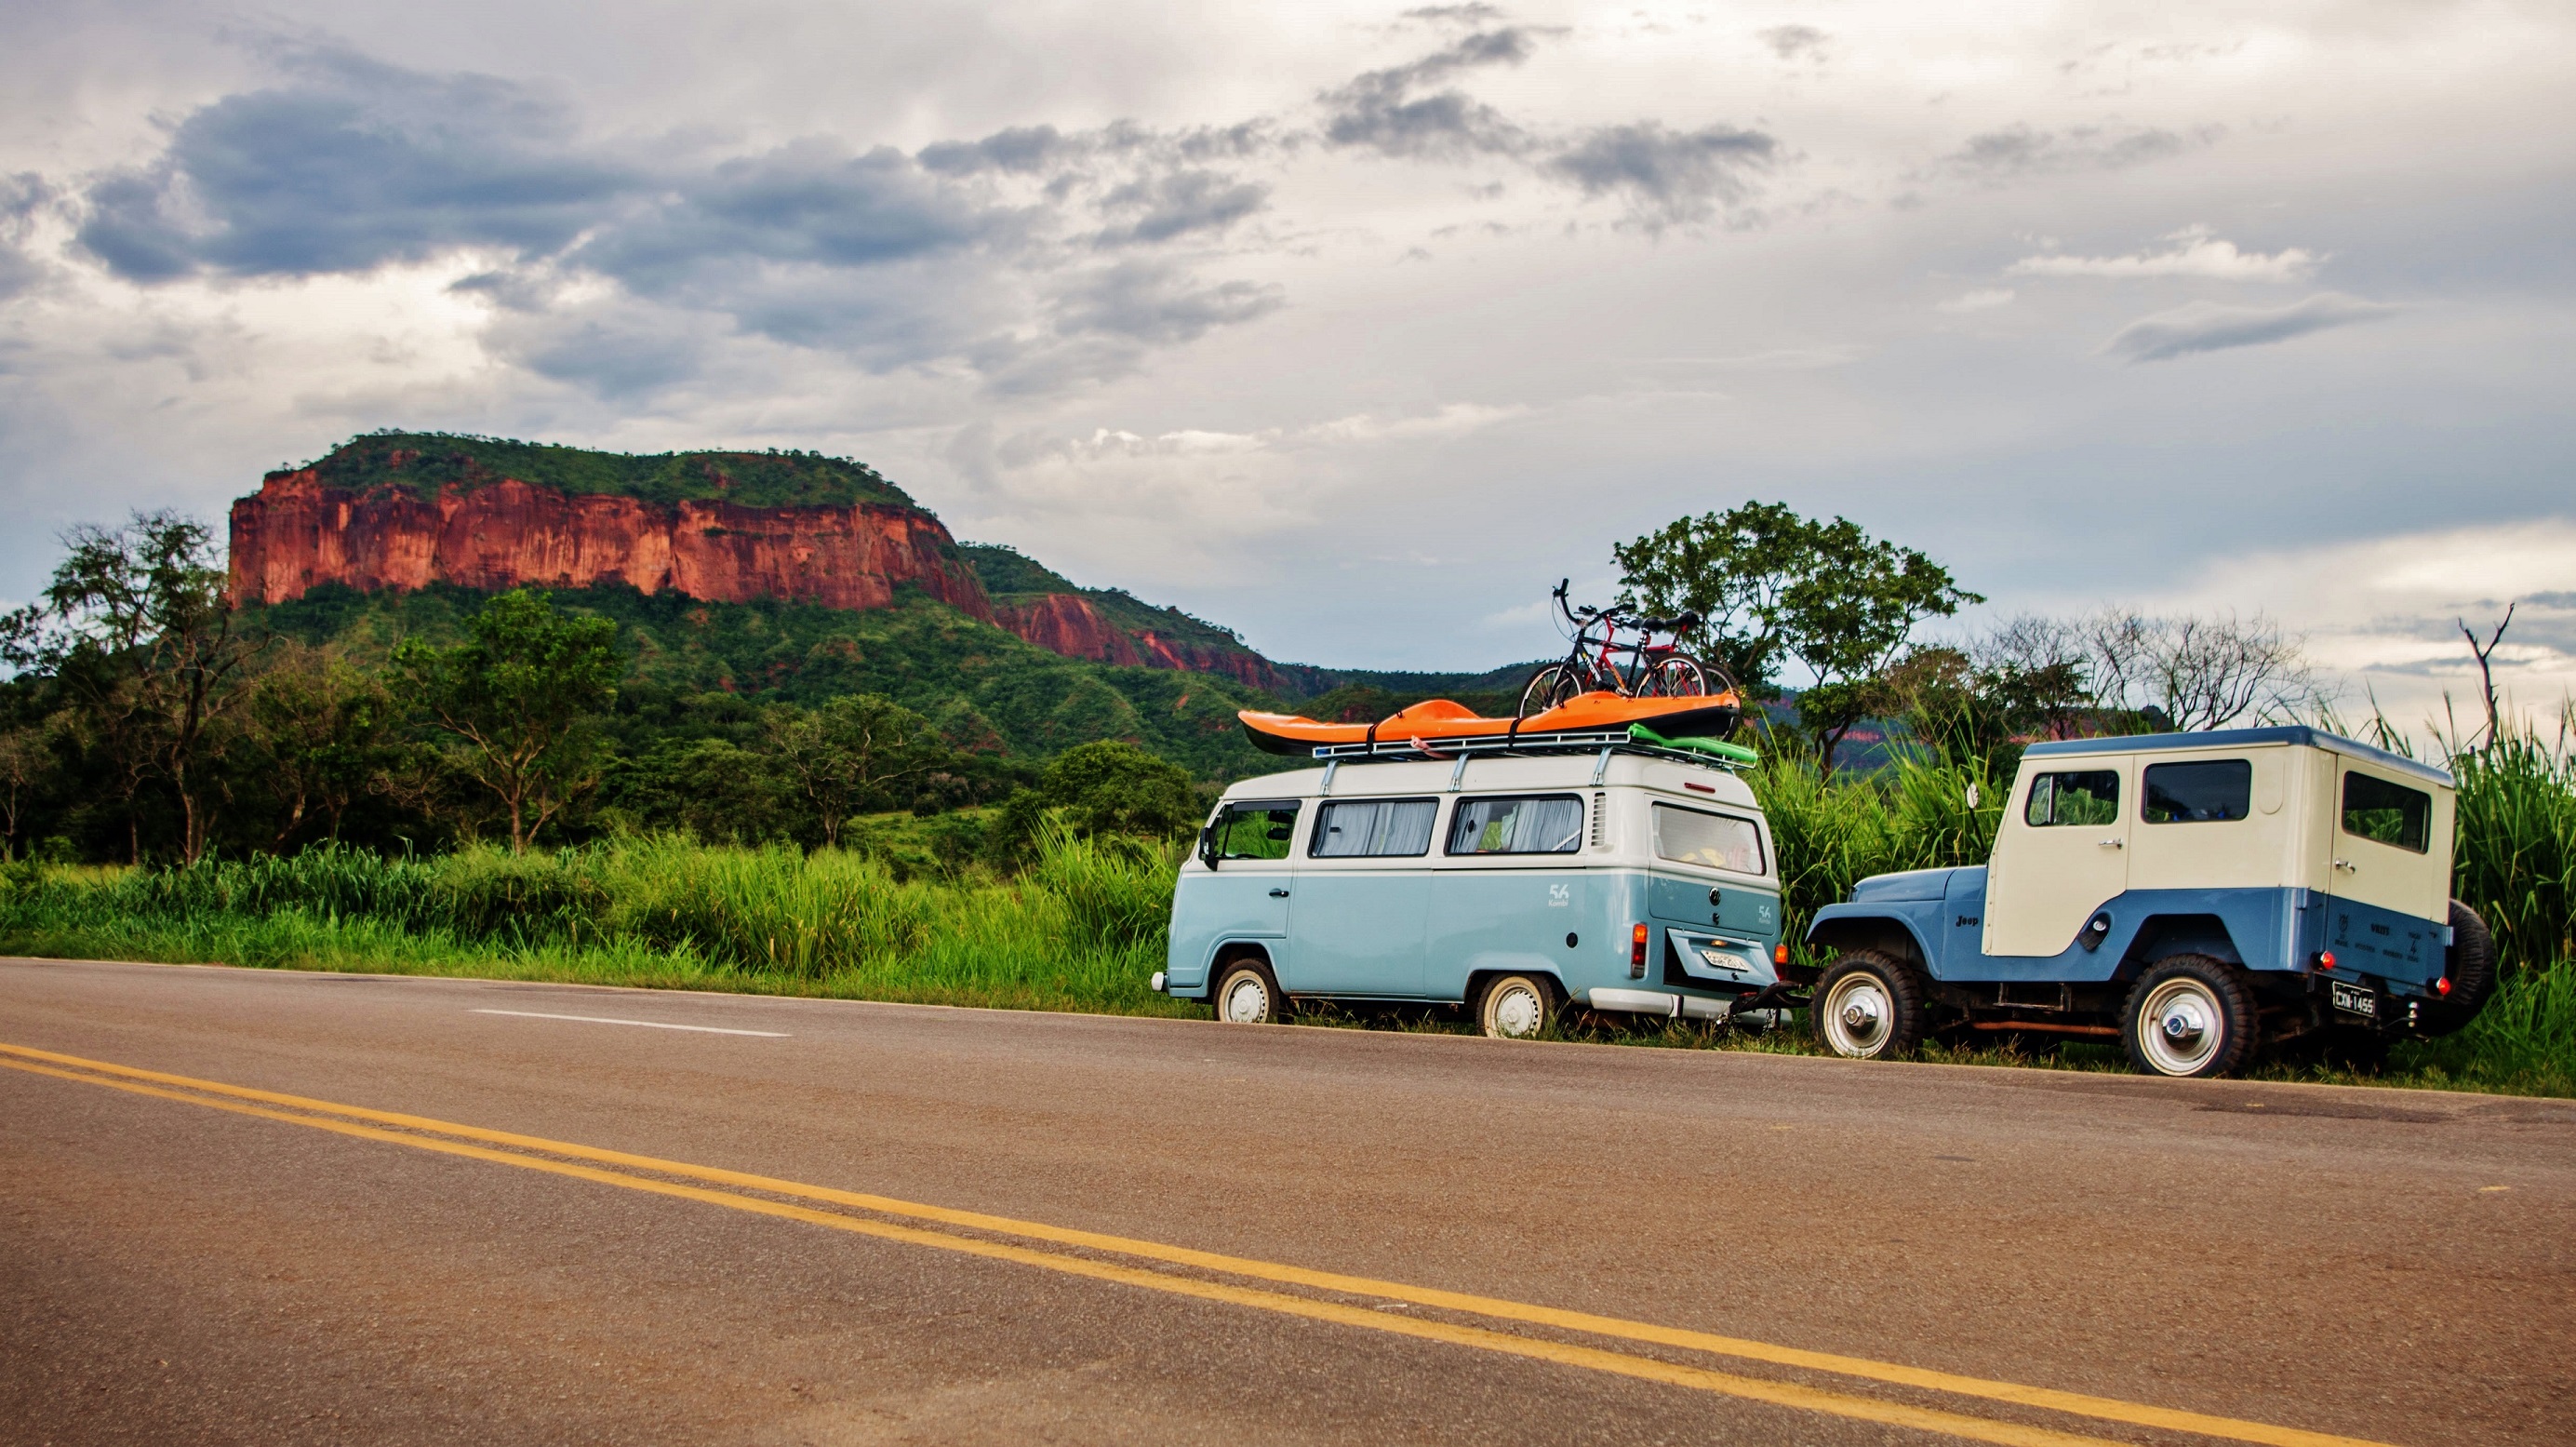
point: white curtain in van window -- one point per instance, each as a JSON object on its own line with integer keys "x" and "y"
{"x": 1375, "y": 827}
{"x": 1551, "y": 825}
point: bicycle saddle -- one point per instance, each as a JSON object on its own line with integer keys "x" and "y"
{"x": 1676, "y": 624}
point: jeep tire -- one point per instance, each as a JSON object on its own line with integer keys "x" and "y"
{"x": 2190, "y": 1016}
{"x": 1869, "y": 1006}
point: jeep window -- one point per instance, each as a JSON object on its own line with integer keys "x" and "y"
{"x": 2198, "y": 793}
{"x": 1717, "y": 841}
{"x": 1251, "y": 829}
{"x": 2090, "y": 797}
{"x": 2390, "y": 813}
{"x": 1373, "y": 828}
{"x": 1528, "y": 824}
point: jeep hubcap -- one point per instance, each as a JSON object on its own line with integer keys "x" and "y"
{"x": 2181, "y": 1028}
{"x": 1856, "y": 1017}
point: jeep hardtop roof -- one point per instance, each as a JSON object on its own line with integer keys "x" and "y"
{"x": 2299, "y": 734}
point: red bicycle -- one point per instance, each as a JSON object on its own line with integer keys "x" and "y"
{"x": 1593, "y": 665}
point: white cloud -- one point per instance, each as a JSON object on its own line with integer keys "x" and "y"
{"x": 2196, "y": 252}
{"x": 1986, "y": 299}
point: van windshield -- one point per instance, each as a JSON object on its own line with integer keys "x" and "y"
{"x": 1373, "y": 828}
{"x": 1532, "y": 824}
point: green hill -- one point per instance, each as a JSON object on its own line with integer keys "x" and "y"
{"x": 424, "y": 462}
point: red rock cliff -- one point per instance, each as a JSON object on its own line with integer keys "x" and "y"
{"x": 1067, "y": 623}
{"x": 296, "y": 533}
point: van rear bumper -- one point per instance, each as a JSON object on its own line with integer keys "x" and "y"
{"x": 1654, "y": 1002}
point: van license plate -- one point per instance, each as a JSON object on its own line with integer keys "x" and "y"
{"x": 2355, "y": 999}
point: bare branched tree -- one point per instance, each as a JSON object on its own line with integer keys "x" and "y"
{"x": 2486, "y": 670}
{"x": 2199, "y": 673}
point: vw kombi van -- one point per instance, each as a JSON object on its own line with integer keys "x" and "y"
{"x": 2195, "y": 896}
{"x": 1630, "y": 879}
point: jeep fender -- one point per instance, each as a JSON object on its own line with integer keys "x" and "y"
{"x": 1844, "y": 928}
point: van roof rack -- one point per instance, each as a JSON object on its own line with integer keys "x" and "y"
{"x": 1630, "y": 739}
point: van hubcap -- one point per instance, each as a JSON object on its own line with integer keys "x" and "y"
{"x": 1246, "y": 1002}
{"x": 1516, "y": 1012}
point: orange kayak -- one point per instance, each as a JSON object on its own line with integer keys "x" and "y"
{"x": 1437, "y": 719}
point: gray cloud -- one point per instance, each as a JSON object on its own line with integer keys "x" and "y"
{"x": 1789, "y": 42}
{"x": 1021, "y": 149}
{"x": 1179, "y": 203}
{"x": 1380, "y": 110}
{"x": 21, "y": 198}
{"x": 1474, "y": 13}
{"x": 1667, "y": 176}
{"x": 1159, "y": 302}
{"x": 2209, "y": 327}
{"x": 2020, "y": 150}
{"x": 355, "y": 164}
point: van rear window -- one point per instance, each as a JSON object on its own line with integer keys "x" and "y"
{"x": 1373, "y": 828}
{"x": 2389, "y": 813}
{"x": 1527, "y": 824}
{"x": 2204, "y": 792}
{"x": 1717, "y": 841}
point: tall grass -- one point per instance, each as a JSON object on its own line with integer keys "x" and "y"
{"x": 1082, "y": 929}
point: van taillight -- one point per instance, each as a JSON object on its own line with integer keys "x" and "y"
{"x": 1637, "y": 946}
{"x": 1780, "y": 954}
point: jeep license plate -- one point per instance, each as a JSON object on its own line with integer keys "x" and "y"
{"x": 2356, "y": 1000}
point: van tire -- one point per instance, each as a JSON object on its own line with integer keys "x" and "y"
{"x": 1516, "y": 1007}
{"x": 1247, "y": 993}
{"x": 2470, "y": 967}
{"x": 1869, "y": 1006}
{"x": 2192, "y": 1017}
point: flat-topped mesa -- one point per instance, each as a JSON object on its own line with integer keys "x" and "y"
{"x": 403, "y": 510}
{"x": 298, "y": 532}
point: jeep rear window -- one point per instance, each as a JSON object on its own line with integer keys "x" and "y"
{"x": 2089, "y": 797}
{"x": 1531, "y": 824}
{"x": 1373, "y": 828}
{"x": 1717, "y": 841}
{"x": 2203, "y": 792}
{"x": 2389, "y": 813}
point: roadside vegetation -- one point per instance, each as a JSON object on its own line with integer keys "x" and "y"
{"x": 509, "y": 795}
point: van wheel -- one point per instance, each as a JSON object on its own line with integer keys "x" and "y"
{"x": 1869, "y": 1006}
{"x": 2190, "y": 1016}
{"x": 1516, "y": 1007}
{"x": 2470, "y": 967}
{"x": 1248, "y": 994}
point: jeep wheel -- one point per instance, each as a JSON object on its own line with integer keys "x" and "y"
{"x": 1247, "y": 994}
{"x": 2190, "y": 1016}
{"x": 1516, "y": 1007}
{"x": 1869, "y": 1006}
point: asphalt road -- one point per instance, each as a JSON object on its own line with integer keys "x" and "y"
{"x": 561, "y": 1230}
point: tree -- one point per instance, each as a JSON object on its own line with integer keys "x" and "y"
{"x": 522, "y": 694}
{"x": 841, "y": 757}
{"x": 139, "y": 625}
{"x": 2191, "y": 673}
{"x": 1772, "y": 585}
{"x": 324, "y": 734}
{"x": 1117, "y": 788}
{"x": 26, "y": 760}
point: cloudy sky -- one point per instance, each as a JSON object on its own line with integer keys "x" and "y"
{"x": 1355, "y": 326}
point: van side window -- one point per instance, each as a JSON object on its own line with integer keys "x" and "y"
{"x": 2389, "y": 813}
{"x": 1251, "y": 829}
{"x": 1373, "y": 828}
{"x": 1718, "y": 841}
{"x": 2089, "y": 797}
{"x": 1526, "y": 824}
{"x": 2198, "y": 793}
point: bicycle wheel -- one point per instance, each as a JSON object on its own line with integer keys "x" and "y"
{"x": 1550, "y": 686}
{"x": 1679, "y": 676}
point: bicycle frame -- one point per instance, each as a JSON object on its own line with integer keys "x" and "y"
{"x": 1603, "y": 667}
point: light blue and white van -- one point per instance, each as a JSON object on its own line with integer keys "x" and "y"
{"x": 1630, "y": 879}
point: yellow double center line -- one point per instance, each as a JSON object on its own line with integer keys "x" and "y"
{"x": 564, "y": 1158}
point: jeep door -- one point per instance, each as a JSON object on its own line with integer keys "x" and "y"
{"x": 2061, "y": 854}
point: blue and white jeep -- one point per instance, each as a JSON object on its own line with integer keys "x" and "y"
{"x": 2197, "y": 896}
